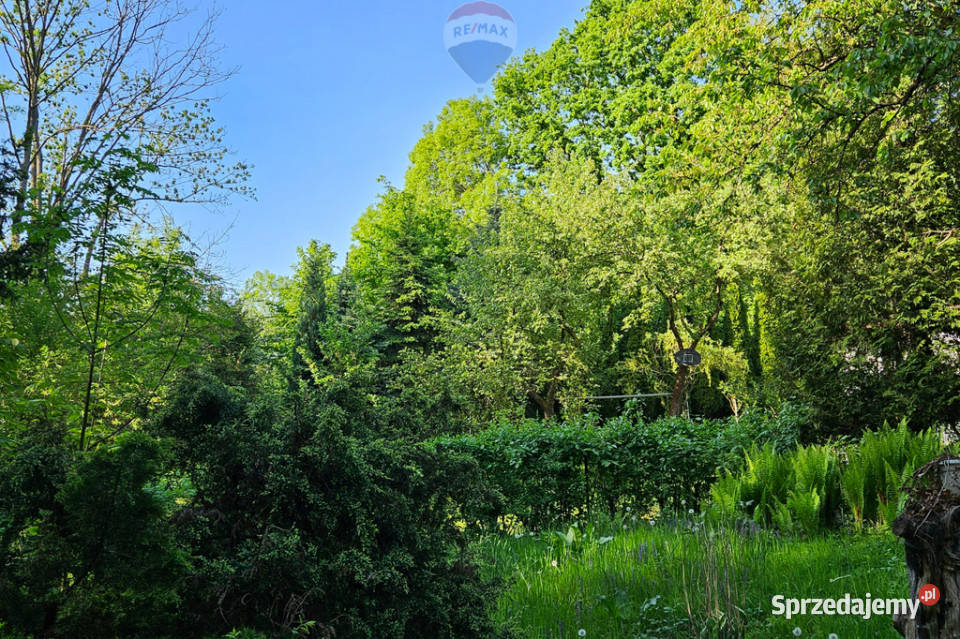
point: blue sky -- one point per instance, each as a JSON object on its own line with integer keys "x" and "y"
{"x": 328, "y": 97}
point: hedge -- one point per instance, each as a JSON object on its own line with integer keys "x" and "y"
{"x": 546, "y": 474}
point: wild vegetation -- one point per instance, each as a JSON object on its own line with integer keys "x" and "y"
{"x": 402, "y": 443}
{"x": 679, "y": 577}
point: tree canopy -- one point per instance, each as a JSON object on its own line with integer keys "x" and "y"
{"x": 774, "y": 184}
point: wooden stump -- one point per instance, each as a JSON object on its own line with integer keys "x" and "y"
{"x": 930, "y": 529}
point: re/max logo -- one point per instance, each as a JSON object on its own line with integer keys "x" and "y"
{"x": 479, "y": 27}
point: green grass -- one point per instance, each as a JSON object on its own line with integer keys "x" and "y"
{"x": 685, "y": 580}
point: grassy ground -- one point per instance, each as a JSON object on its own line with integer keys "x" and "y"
{"x": 629, "y": 579}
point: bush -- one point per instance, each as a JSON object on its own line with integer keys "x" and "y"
{"x": 548, "y": 474}
{"x": 87, "y": 550}
{"x": 297, "y": 523}
{"x": 809, "y": 488}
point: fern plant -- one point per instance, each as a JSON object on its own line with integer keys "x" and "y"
{"x": 806, "y": 489}
{"x": 878, "y": 468}
{"x": 805, "y": 507}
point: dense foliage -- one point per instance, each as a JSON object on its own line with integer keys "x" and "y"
{"x": 769, "y": 183}
{"x": 87, "y": 550}
{"x": 775, "y": 184}
{"x": 546, "y": 475}
{"x": 291, "y": 520}
{"x": 815, "y": 487}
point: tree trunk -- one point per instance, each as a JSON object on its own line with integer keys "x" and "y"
{"x": 680, "y": 384}
{"x": 679, "y": 391}
{"x": 29, "y": 170}
{"x": 931, "y": 535}
{"x": 547, "y": 404}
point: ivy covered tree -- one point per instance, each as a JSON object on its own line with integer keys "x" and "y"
{"x": 851, "y": 106}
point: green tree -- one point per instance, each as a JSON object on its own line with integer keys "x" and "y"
{"x": 87, "y": 80}
{"x": 87, "y": 549}
{"x": 598, "y": 90}
{"x": 92, "y": 342}
{"x": 537, "y": 294}
{"x": 314, "y": 278}
{"x": 403, "y": 262}
{"x": 301, "y": 513}
{"x": 851, "y": 105}
{"x": 619, "y": 90}
{"x": 457, "y": 164}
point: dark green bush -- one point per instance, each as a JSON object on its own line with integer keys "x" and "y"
{"x": 86, "y": 549}
{"x": 296, "y": 522}
{"x": 548, "y": 473}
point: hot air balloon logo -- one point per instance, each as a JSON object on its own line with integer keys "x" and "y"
{"x": 480, "y": 36}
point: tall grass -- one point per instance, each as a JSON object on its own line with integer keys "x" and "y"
{"x": 685, "y": 579}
